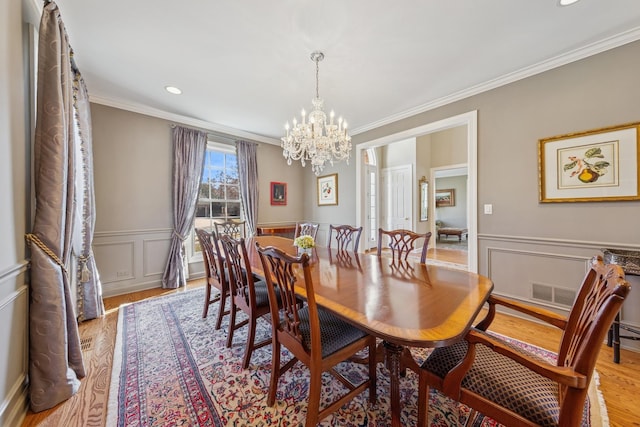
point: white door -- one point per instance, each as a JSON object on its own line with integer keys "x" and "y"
{"x": 398, "y": 198}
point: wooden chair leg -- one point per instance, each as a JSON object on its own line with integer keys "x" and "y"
{"x": 250, "y": 339}
{"x": 232, "y": 323}
{"x": 207, "y": 302}
{"x": 315, "y": 387}
{"x": 275, "y": 373}
{"x": 221, "y": 309}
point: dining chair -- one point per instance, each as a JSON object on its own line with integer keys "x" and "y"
{"x": 215, "y": 275}
{"x": 234, "y": 228}
{"x": 515, "y": 387}
{"x": 345, "y": 237}
{"x": 402, "y": 243}
{"x": 306, "y": 229}
{"x": 312, "y": 334}
{"x": 247, "y": 294}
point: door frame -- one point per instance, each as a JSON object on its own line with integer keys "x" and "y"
{"x": 470, "y": 120}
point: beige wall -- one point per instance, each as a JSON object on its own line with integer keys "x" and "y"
{"x": 133, "y": 167}
{"x": 449, "y": 147}
{"x": 525, "y": 242}
{"x": 14, "y": 210}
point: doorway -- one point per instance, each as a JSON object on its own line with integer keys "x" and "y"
{"x": 467, "y": 119}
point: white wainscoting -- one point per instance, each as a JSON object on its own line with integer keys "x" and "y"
{"x": 131, "y": 260}
{"x": 517, "y": 264}
{"x": 14, "y": 309}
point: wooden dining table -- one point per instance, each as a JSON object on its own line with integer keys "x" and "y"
{"x": 406, "y": 304}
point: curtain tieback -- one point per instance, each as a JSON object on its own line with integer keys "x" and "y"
{"x": 179, "y": 236}
{"x": 85, "y": 273}
{"x": 32, "y": 238}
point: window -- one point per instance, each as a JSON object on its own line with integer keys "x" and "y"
{"x": 219, "y": 197}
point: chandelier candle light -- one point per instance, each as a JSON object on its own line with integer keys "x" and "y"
{"x": 315, "y": 139}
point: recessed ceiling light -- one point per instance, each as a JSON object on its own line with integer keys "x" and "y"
{"x": 172, "y": 89}
{"x": 566, "y": 2}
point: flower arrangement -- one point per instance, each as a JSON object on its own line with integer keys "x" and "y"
{"x": 304, "y": 242}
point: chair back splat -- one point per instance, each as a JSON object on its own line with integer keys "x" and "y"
{"x": 504, "y": 382}
{"x": 345, "y": 236}
{"x": 247, "y": 294}
{"x": 312, "y": 334}
{"x": 233, "y": 228}
{"x": 403, "y": 242}
{"x": 215, "y": 274}
{"x": 306, "y": 229}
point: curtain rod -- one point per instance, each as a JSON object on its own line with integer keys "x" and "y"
{"x": 220, "y": 136}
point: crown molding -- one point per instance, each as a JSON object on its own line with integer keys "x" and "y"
{"x": 202, "y": 124}
{"x": 555, "y": 62}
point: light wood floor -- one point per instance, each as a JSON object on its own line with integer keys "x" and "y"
{"x": 620, "y": 383}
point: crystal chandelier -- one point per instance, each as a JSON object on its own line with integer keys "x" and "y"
{"x": 315, "y": 139}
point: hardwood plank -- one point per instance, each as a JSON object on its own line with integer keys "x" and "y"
{"x": 618, "y": 382}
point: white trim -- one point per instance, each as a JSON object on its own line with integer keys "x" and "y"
{"x": 220, "y": 146}
{"x": 14, "y": 271}
{"x": 469, "y": 119}
{"x": 102, "y": 234}
{"x": 13, "y": 296}
{"x": 556, "y": 242}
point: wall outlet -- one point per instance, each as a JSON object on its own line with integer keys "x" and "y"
{"x": 488, "y": 209}
{"x": 123, "y": 274}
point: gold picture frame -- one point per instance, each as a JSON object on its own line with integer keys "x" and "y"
{"x": 591, "y": 166}
{"x": 328, "y": 190}
{"x": 445, "y": 197}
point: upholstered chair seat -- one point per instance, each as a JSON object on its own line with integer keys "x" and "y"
{"x": 502, "y": 380}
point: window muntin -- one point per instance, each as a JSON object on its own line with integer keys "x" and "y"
{"x": 219, "y": 194}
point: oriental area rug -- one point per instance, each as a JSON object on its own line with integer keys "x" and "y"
{"x": 172, "y": 368}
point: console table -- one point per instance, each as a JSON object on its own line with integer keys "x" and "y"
{"x": 283, "y": 230}
{"x": 630, "y": 263}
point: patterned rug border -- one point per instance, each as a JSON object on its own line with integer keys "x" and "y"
{"x": 598, "y": 411}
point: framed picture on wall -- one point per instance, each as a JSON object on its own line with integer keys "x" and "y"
{"x": 592, "y": 166}
{"x": 445, "y": 197}
{"x": 278, "y": 193}
{"x": 328, "y": 190}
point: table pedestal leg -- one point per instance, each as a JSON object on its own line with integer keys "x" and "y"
{"x": 393, "y": 354}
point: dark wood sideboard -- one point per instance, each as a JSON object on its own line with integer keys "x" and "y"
{"x": 283, "y": 230}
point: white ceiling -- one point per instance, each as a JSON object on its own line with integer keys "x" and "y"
{"x": 244, "y": 65}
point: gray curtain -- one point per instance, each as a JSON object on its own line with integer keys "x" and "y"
{"x": 87, "y": 279}
{"x": 55, "y": 356}
{"x": 248, "y": 172}
{"x": 189, "y": 148}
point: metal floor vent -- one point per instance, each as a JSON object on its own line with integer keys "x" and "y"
{"x": 552, "y": 294}
{"x": 86, "y": 344}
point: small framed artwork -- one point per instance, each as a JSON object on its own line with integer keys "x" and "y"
{"x": 591, "y": 166}
{"x": 328, "y": 190}
{"x": 424, "y": 199}
{"x": 445, "y": 197}
{"x": 278, "y": 193}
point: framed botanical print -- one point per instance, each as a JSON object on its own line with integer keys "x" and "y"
{"x": 328, "y": 190}
{"x": 591, "y": 166}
